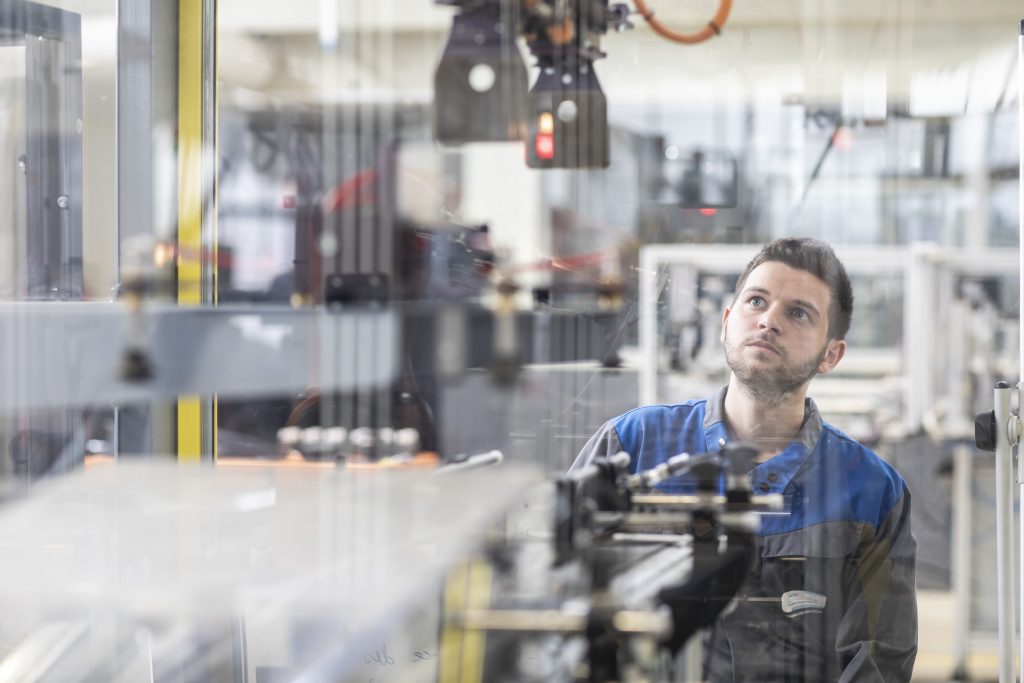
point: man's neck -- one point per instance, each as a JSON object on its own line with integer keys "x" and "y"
{"x": 770, "y": 426}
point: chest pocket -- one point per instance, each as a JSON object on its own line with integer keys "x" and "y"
{"x": 807, "y": 570}
{"x": 789, "y": 610}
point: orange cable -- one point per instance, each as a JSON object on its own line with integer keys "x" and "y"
{"x": 713, "y": 28}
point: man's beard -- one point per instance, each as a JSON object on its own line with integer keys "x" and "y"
{"x": 771, "y": 386}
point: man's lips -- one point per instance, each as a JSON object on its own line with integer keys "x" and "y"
{"x": 761, "y": 344}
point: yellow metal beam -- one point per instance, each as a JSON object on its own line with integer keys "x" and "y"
{"x": 461, "y": 658}
{"x": 190, "y": 199}
{"x": 190, "y": 152}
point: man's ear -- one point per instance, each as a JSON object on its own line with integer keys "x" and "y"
{"x": 833, "y": 354}
{"x": 725, "y": 316}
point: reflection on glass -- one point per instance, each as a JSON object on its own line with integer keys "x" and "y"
{"x": 12, "y": 176}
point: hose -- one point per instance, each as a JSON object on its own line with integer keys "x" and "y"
{"x": 713, "y": 28}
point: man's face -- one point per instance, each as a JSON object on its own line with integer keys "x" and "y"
{"x": 776, "y": 333}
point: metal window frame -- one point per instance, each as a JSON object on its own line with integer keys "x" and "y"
{"x": 53, "y": 154}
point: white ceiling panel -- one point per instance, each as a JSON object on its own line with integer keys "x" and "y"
{"x": 304, "y": 16}
{"x": 860, "y": 53}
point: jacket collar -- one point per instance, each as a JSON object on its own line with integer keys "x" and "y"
{"x": 785, "y": 464}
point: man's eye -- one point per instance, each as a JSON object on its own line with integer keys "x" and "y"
{"x": 755, "y": 301}
{"x": 800, "y": 314}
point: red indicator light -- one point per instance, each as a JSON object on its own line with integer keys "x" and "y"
{"x": 707, "y": 212}
{"x": 544, "y": 143}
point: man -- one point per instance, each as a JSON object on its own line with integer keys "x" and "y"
{"x": 831, "y": 595}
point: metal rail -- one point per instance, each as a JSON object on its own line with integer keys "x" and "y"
{"x": 55, "y": 353}
{"x": 1004, "y": 532}
{"x": 1007, "y": 667}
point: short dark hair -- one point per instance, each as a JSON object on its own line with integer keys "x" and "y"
{"x": 818, "y": 259}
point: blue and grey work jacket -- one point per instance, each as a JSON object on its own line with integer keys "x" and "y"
{"x": 832, "y": 595}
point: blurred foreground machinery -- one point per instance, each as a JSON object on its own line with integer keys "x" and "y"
{"x": 271, "y": 573}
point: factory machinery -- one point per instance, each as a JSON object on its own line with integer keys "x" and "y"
{"x": 639, "y": 571}
{"x": 261, "y": 573}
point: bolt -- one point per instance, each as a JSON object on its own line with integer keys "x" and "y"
{"x": 62, "y": 201}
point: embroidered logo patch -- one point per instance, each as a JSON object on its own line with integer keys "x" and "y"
{"x": 795, "y": 603}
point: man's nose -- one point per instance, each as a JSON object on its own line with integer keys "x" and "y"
{"x": 769, "y": 320}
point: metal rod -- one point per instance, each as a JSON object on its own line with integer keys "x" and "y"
{"x": 643, "y": 521}
{"x": 642, "y": 539}
{"x": 674, "y": 466}
{"x": 1020, "y": 208}
{"x": 648, "y": 305}
{"x": 771, "y": 501}
{"x": 962, "y": 501}
{"x": 474, "y": 461}
{"x": 1020, "y": 309}
{"x": 551, "y": 621}
{"x": 634, "y": 622}
{"x": 619, "y": 461}
{"x": 642, "y": 622}
{"x": 678, "y": 500}
{"x": 1004, "y": 534}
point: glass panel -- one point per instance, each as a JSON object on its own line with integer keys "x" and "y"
{"x": 59, "y": 236}
{"x": 394, "y": 154}
{"x": 12, "y": 176}
{"x": 438, "y": 230}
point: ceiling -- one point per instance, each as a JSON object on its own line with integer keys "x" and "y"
{"x": 808, "y": 49}
{"x": 298, "y": 16}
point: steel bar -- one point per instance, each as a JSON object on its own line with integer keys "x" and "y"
{"x": 635, "y": 622}
{"x": 1020, "y": 309}
{"x": 54, "y": 354}
{"x": 1004, "y": 534}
